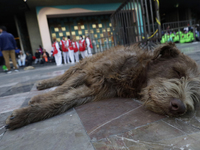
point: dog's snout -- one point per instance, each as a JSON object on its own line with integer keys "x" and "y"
{"x": 177, "y": 107}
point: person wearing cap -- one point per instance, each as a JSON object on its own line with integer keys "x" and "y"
{"x": 7, "y": 47}
{"x": 57, "y": 52}
{"x": 82, "y": 47}
{"x": 63, "y": 42}
{"x": 89, "y": 45}
{"x": 70, "y": 49}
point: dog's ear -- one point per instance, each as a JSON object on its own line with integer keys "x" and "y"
{"x": 166, "y": 51}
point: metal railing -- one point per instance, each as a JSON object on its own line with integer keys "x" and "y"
{"x": 178, "y": 27}
{"x": 137, "y": 21}
{"x": 178, "y": 24}
{"x": 102, "y": 44}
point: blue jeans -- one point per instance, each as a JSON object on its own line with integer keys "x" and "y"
{"x": 21, "y": 62}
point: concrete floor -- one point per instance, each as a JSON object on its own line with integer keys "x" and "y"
{"x": 114, "y": 124}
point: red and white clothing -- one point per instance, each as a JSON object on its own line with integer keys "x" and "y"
{"x": 70, "y": 50}
{"x": 76, "y": 53}
{"x": 65, "y": 51}
{"x": 82, "y": 46}
{"x": 57, "y": 53}
{"x": 89, "y": 46}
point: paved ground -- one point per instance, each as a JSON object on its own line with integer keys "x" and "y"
{"x": 114, "y": 124}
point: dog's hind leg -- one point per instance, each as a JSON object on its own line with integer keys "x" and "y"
{"x": 61, "y": 104}
{"x": 41, "y": 111}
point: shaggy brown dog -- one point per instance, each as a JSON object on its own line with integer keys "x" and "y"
{"x": 166, "y": 80}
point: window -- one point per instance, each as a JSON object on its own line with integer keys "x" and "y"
{"x": 60, "y": 34}
{"x": 68, "y": 33}
{"x": 58, "y": 39}
{"x": 100, "y": 26}
{"x": 73, "y": 33}
{"x": 53, "y": 35}
{"x": 94, "y": 26}
{"x": 75, "y": 27}
{"x": 56, "y": 29}
{"x": 82, "y": 27}
{"x": 63, "y": 29}
{"x": 80, "y": 32}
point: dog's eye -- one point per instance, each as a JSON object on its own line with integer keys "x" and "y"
{"x": 178, "y": 73}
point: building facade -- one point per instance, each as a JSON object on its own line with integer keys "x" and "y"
{"x": 36, "y": 22}
{"x": 71, "y": 20}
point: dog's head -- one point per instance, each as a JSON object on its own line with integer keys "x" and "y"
{"x": 173, "y": 84}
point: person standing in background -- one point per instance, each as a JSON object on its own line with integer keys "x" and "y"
{"x": 82, "y": 47}
{"x": 76, "y": 48}
{"x": 70, "y": 49}
{"x": 63, "y": 42}
{"x": 57, "y": 52}
{"x": 7, "y": 47}
{"x": 89, "y": 45}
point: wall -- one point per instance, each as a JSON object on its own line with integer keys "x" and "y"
{"x": 33, "y": 30}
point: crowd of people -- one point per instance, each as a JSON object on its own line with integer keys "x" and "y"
{"x": 67, "y": 50}
{"x": 70, "y": 49}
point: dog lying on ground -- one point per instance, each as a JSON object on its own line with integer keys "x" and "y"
{"x": 166, "y": 81}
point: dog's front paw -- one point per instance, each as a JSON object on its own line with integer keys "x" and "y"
{"x": 40, "y": 86}
{"x": 17, "y": 119}
{"x": 35, "y": 99}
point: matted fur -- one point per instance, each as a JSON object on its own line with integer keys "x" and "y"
{"x": 155, "y": 78}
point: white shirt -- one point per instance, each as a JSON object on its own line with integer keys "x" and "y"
{"x": 73, "y": 43}
{"x": 22, "y": 57}
{"x": 77, "y": 45}
{"x": 67, "y": 43}
{"x": 88, "y": 42}
{"x": 61, "y": 42}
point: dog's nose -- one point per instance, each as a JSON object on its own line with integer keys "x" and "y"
{"x": 177, "y": 107}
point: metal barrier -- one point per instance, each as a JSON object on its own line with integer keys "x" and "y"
{"x": 178, "y": 27}
{"x": 137, "y": 21}
{"x": 102, "y": 44}
{"x": 178, "y": 24}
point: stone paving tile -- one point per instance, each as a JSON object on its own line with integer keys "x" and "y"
{"x": 118, "y": 143}
{"x": 62, "y": 132}
{"x": 185, "y": 127}
{"x": 4, "y": 89}
{"x": 144, "y": 137}
{"x": 168, "y": 133}
{"x": 185, "y": 142}
{"x": 115, "y": 116}
{"x": 8, "y": 84}
{"x": 3, "y": 118}
{"x": 19, "y": 88}
{"x": 154, "y": 132}
{"x": 10, "y": 103}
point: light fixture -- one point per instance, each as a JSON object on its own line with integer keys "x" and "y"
{"x": 24, "y": 0}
